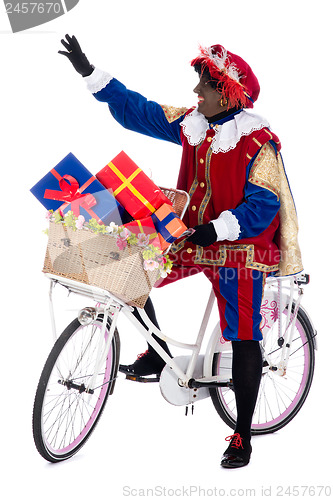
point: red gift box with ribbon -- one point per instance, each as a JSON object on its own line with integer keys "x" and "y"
{"x": 70, "y": 186}
{"x": 131, "y": 187}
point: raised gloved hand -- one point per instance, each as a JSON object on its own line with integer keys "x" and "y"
{"x": 204, "y": 235}
{"x": 76, "y": 56}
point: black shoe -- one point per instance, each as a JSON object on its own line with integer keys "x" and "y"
{"x": 238, "y": 452}
{"x": 147, "y": 363}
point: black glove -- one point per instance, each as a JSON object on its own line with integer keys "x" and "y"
{"x": 76, "y": 56}
{"x": 204, "y": 235}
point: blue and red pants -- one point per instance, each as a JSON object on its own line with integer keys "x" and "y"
{"x": 238, "y": 292}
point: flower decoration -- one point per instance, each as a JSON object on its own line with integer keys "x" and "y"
{"x": 79, "y": 222}
{"x": 150, "y": 265}
{"x": 121, "y": 243}
{"x": 124, "y": 233}
{"x": 112, "y": 228}
{"x": 143, "y": 239}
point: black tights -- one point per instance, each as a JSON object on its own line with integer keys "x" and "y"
{"x": 149, "y": 309}
{"x": 246, "y": 376}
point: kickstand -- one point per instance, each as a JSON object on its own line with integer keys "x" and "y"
{"x": 186, "y": 410}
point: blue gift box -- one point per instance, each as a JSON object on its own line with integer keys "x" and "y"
{"x": 70, "y": 186}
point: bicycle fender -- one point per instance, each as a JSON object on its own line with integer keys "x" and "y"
{"x": 269, "y": 313}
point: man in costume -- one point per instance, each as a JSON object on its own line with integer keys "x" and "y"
{"x": 240, "y": 207}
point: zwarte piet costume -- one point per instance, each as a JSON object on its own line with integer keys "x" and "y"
{"x": 240, "y": 205}
{"x": 233, "y": 171}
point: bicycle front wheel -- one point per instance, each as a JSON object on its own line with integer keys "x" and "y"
{"x": 280, "y": 396}
{"x": 64, "y": 413}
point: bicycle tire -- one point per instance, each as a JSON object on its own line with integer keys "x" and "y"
{"x": 64, "y": 414}
{"x": 288, "y": 402}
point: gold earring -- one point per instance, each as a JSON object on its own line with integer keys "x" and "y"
{"x": 223, "y": 102}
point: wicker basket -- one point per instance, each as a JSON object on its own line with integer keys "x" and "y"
{"x": 179, "y": 199}
{"x": 95, "y": 259}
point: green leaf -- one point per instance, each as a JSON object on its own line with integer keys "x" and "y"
{"x": 132, "y": 239}
{"x": 57, "y": 217}
{"x": 97, "y": 228}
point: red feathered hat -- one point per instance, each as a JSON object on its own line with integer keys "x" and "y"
{"x": 235, "y": 79}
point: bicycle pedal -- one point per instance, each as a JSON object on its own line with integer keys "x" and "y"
{"x": 138, "y": 378}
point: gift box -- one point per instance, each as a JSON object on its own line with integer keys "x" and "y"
{"x": 168, "y": 225}
{"x": 70, "y": 186}
{"x": 131, "y": 186}
{"x": 145, "y": 231}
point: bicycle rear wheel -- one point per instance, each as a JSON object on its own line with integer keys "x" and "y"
{"x": 280, "y": 397}
{"x": 64, "y": 414}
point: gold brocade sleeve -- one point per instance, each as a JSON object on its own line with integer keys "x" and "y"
{"x": 265, "y": 170}
{"x": 172, "y": 113}
{"x": 268, "y": 172}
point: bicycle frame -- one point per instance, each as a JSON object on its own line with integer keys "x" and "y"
{"x": 113, "y": 306}
{"x": 184, "y": 377}
{"x": 286, "y": 293}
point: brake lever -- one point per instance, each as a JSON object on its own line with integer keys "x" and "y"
{"x": 187, "y": 233}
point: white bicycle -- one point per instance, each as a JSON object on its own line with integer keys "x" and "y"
{"x": 81, "y": 369}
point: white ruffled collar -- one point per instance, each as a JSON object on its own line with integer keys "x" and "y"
{"x": 227, "y": 135}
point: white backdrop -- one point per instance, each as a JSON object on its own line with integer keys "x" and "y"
{"x": 46, "y": 112}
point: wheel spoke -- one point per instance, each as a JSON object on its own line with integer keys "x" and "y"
{"x": 64, "y": 414}
{"x": 280, "y": 397}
